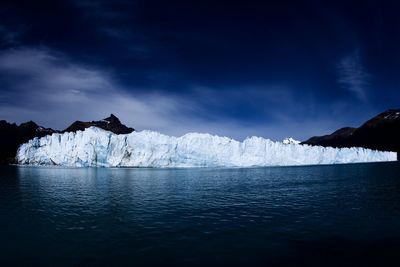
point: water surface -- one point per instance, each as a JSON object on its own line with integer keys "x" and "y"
{"x": 282, "y": 216}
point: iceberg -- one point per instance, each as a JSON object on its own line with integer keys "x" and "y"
{"x": 95, "y": 147}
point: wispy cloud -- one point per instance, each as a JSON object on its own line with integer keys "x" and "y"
{"x": 103, "y": 9}
{"x": 7, "y": 36}
{"x": 353, "y": 76}
{"x": 49, "y": 88}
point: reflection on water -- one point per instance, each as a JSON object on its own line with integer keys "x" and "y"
{"x": 311, "y": 215}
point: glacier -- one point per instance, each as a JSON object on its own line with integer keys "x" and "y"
{"x": 95, "y": 147}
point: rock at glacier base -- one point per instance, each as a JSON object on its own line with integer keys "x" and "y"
{"x": 98, "y": 148}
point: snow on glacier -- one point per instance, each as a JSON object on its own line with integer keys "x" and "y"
{"x": 99, "y": 148}
{"x": 290, "y": 140}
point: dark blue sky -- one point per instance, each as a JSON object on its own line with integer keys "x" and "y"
{"x": 236, "y": 68}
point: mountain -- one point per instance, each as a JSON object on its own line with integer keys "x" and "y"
{"x": 382, "y": 132}
{"x": 112, "y": 124}
{"x": 12, "y": 135}
{"x": 95, "y": 147}
{"x": 334, "y": 139}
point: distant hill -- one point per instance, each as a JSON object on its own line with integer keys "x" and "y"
{"x": 13, "y": 135}
{"x": 382, "y": 132}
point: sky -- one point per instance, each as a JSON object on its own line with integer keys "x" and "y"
{"x": 235, "y": 68}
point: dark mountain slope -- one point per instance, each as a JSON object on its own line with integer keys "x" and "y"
{"x": 382, "y": 132}
{"x": 335, "y": 139}
{"x": 11, "y": 136}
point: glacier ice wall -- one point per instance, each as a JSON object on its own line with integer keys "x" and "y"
{"x": 96, "y": 147}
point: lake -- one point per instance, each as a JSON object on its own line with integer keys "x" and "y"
{"x": 277, "y": 216}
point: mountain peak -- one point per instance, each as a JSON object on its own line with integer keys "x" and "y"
{"x": 28, "y": 124}
{"x": 112, "y": 124}
{"x": 112, "y": 118}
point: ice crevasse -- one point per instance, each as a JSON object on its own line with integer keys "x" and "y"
{"x": 98, "y": 148}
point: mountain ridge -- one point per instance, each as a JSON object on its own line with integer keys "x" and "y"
{"x": 381, "y": 132}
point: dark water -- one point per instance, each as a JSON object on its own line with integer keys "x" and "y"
{"x": 343, "y": 215}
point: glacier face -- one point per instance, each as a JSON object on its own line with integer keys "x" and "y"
{"x": 98, "y": 148}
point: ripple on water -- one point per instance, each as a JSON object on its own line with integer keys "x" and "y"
{"x": 205, "y": 216}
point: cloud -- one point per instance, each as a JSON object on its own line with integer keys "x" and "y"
{"x": 353, "y": 76}
{"x": 53, "y": 90}
{"x": 103, "y": 9}
{"x": 49, "y": 88}
{"x": 7, "y": 36}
